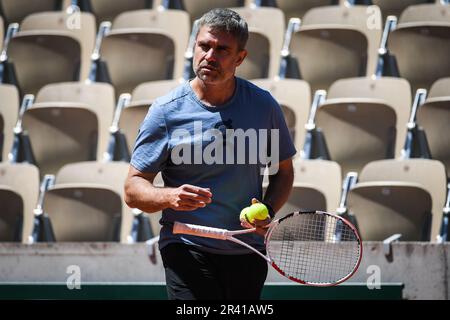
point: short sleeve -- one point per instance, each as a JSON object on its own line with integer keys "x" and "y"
{"x": 151, "y": 147}
{"x": 286, "y": 145}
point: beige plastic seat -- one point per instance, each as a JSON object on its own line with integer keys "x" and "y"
{"x": 52, "y": 47}
{"x": 141, "y": 99}
{"x": 19, "y": 191}
{"x": 107, "y": 10}
{"x": 266, "y": 30}
{"x": 434, "y": 117}
{"x": 336, "y": 42}
{"x": 395, "y": 196}
{"x": 69, "y": 123}
{"x": 17, "y": 10}
{"x": 370, "y": 117}
{"x": 145, "y": 45}
{"x": 297, "y": 9}
{"x": 422, "y": 34}
{"x": 294, "y": 97}
{"x": 9, "y": 109}
{"x": 196, "y": 8}
{"x": 395, "y": 8}
{"x": 86, "y": 202}
{"x": 317, "y": 186}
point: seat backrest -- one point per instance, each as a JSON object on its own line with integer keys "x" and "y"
{"x": 294, "y": 97}
{"x": 297, "y": 9}
{"x": 263, "y": 22}
{"x": 81, "y": 26}
{"x": 111, "y": 174}
{"x": 17, "y": 10}
{"x": 384, "y": 208}
{"x": 366, "y": 19}
{"x": 395, "y": 91}
{"x": 22, "y": 178}
{"x": 389, "y": 7}
{"x": 9, "y": 109}
{"x": 11, "y": 215}
{"x": 324, "y": 175}
{"x": 172, "y": 22}
{"x": 105, "y": 10}
{"x": 430, "y": 174}
{"x": 97, "y": 97}
{"x": 433, "y": 116}
{"x": 425, "y": 13}
{"x": 441, "y": 88}
{"x": 196, "y": 8}
{"x": 83, "y": 212}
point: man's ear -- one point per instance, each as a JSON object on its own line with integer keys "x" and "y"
{"x": 241, "y": 56}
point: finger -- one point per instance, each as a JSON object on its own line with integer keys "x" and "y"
{"x": 254, "y": 200}
{"x": 262, "y": 223}
{"x": 192, "y": 203}
{"x": 198, "y": 190}
{"x": 246, "y": 225}
{"x": 194, "y": 196}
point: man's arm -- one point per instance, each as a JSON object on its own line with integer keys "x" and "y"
{"x": 280, "y": 185}
{"x": 140, "y": 193}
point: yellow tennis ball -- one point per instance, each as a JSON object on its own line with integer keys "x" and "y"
{"x": 256, "y": 211}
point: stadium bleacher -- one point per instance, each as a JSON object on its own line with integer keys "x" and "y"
{"x": 368, "y": 123}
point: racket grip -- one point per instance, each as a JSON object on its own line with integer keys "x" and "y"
{"x": 201, "y": 231}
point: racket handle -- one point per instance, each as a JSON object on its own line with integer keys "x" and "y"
{"x": 201, "y": 231}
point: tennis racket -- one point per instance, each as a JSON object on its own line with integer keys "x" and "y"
{"x": 311, "y": 247}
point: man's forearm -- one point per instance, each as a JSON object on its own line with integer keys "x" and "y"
{"x": 143, "y": 195}
{"x": 279, "y": 189}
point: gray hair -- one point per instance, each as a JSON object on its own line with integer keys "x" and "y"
{"x": 221, "y": 19}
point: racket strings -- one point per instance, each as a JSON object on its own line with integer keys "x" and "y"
{"x": 314, "y": 248}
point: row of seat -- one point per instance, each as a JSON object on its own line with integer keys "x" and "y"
{"x": 69, "y": 122}
{"x": 17, "y": 10}
{"x": 331, "y": 43}
{"x": 86, "y": 201}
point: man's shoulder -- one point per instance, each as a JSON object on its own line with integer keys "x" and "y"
{"x": 174, "y": 95}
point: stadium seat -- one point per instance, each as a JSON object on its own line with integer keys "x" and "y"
{"x": 17, "y": 10}
{"x": 294, "y": 97}
{"x": 396, "y": 196}
{"x": 86, "y": 202}
{"x": 434, "y": 117}
{"x": 9, "y": 109}
{"x": 395, "y": 8}
{"x": 19, "y": 188}
{"x": 297, "y": 9}
{"x": 196, "y": 8}
{"x": 107, "y": 10}
{"x": 266, "y": 28}
{"x": 317, "y": 186}
{"x": 69, "y": 123}
{"x": 141, "y": 99}
{"x": 152, "y": 44}
{"x": 370, "y": 116}
{"x": 422, "y": 35}
{"x": 336, "y": 42}
{"x": 52, "y": 47}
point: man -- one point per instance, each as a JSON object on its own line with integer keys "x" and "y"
{"x": 204, "y": 137}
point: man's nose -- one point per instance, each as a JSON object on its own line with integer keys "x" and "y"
{"x": 210, "y": 55}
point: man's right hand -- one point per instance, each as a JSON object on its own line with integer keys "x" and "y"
{"x": 188, "y": 197}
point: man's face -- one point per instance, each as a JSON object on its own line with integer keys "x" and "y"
{"x": 216, "y": 55}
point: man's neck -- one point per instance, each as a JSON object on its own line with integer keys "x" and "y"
{"x": 213, "y": 95}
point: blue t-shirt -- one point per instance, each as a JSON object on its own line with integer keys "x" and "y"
{"x": 224, "y": 148}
